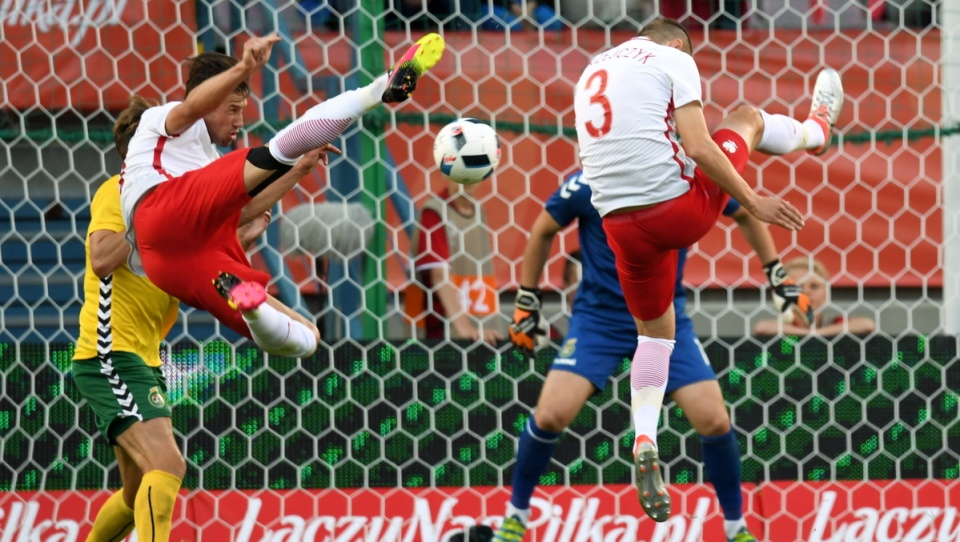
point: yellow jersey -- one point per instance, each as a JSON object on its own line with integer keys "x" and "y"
{"x": 122, "y": 312}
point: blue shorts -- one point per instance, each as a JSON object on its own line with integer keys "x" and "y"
{"x": 596, "y": 351}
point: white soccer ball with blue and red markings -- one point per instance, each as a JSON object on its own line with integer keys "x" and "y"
{"x": 467, "y": 151}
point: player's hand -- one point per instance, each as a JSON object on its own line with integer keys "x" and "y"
{"x": 788, "y": 296}
{"x": 773, "y": 210}
{"x": 328, "y": 148}
{"x": 464, "y": 329}
{"x": 256, "y": 51}
{"x": 529, "y": 329}
{"x": 251, "y": 231}
{"x": 309, "y": 161}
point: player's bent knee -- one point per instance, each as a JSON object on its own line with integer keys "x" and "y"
{"x": 745, "y": 118}
{"x": 167, "y": 459}
{"x": 714, "y": 426}
{"x": 179, "y": 468}
{"x": 553, "y": 420}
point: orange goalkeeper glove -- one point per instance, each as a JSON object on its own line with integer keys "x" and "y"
{"x": 529, "y": 329}
{"x": 788, "y": 296}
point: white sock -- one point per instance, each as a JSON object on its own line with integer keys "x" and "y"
{"x": 278, "y": 334}
{"x": 732, "y": 526}
{"x": 648, "y": 383}
{"x": 523, "y": 514}
{"x": 326, "y": 121}
{"x": 783, "y": 134}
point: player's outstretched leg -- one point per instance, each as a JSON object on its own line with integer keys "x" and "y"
{"x": 326, "y": 121}
{"x": 826, "y": 106}
{"x": 402, "y": 79}
{"x": 779, "y": 134}
{"x": 653, "y": 494}
{"x": 271, "y": 329}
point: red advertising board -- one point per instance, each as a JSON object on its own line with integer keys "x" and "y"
{"x": 882, "y": 511}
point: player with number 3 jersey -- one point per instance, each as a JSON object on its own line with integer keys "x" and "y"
{"x": 660, "y": 179}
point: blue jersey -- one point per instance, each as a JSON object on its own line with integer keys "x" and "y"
{"x": 599, "y": 295}
{"x": 601, "y": 324}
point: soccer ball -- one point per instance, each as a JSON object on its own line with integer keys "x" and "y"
{"x": 466, "y": 151}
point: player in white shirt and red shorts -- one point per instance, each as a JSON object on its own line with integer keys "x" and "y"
{"x": 182, "y": 202}
{"x": 660, "y": 180}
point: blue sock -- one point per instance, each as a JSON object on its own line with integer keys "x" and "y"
{"x": 533, "y": 456}
{"x": 721, "y": 461}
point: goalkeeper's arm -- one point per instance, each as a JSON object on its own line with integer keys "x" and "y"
{"x": 529, "y": 329}
{"x": 788, "y": 296}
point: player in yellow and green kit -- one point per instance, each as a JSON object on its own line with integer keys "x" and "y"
{"x": 116, "y": 367}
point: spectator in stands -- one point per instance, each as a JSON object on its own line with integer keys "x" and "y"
{"x": 454, "y": 291}
{"x": 519, "y": 14}
{"x": 814, "y": 278}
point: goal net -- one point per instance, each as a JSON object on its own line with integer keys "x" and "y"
{"x": 381, "y": 436}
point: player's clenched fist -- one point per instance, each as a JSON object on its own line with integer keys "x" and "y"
{"x": 788, "y": 295}
{"x": 529, "y": 329}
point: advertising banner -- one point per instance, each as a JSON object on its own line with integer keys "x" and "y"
{"x": 881, "y": 511}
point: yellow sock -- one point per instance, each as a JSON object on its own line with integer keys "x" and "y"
{"x": 153, "y": 508}
{"x": 114, "y": 520}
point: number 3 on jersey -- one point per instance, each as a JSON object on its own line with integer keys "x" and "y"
{"x": 599, "y": 98}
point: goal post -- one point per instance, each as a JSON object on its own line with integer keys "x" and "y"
{"x": 950, "y": 39}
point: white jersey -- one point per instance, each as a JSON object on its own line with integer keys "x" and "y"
{"x": 154, "y": 157}
{"x": 624, "y": 104}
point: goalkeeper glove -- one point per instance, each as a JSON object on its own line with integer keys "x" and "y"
{"x": 788, "y": 296}
{"x": 529, "y": 329}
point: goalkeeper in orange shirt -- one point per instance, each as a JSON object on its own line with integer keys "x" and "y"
{"x": 117, "y": 365}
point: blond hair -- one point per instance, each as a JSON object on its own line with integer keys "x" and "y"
{"x": 807, "y": 264}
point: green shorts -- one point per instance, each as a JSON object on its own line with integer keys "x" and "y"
{"x": 122, "y": 390}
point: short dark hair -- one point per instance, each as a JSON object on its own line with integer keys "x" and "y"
{"x": 208, "y": 64}
{"x": 127, "y": 123}
{"x": 664, "y": 29}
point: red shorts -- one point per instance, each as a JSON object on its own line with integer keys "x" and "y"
{"x": 645, "y": 241}
{"x": 186, "y": 232}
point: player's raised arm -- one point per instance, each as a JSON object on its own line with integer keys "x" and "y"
{"x": 529, "y": 328}
{"x": 545, "y": 229}
{"x": 210, "y": 94}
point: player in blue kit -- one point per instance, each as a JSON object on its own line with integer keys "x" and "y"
{"x": 602, "y": 334}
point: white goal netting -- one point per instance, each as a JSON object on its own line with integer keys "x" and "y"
{"x": 379, "y": 437}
